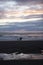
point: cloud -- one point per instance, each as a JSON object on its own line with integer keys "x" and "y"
{"x": 20, "y": 10}
{"x": 13, "y": 9}
{"x": 32, "y": 16}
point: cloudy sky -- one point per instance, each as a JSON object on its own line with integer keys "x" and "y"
{"x": 20, "y": 10}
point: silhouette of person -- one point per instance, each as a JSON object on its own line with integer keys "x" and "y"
{"x": 20, "y": 38}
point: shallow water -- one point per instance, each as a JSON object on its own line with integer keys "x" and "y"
{"x": 14, "y": 38}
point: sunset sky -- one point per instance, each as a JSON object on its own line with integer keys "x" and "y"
{"x": 20, "y": 11}
{"x": 21, "y": 15}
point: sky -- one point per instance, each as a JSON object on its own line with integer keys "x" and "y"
{"x": 20, "y": 11}
{"x": 21, "y": 15}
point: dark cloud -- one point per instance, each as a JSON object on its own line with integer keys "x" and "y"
{"x": 25, "y": 2}
{"x": 29, "y": 1}
{"x": 22, "y": 0}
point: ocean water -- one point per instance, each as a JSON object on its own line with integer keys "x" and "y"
{"x": 26, "y": 26}
{"x": 17, "y": 38}
{"x": 23, "y": 26}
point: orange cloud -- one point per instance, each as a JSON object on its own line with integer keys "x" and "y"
{"x": 15, "y": 14}
{"x": 32, "y": 12}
